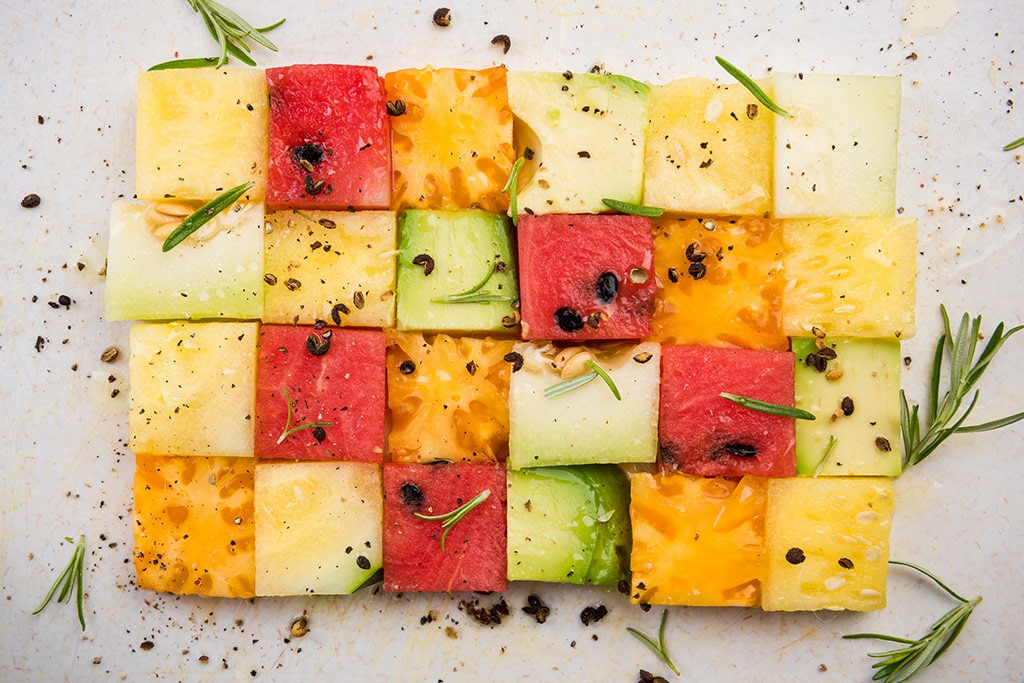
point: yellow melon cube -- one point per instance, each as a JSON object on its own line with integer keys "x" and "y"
{"x": 836, "y": 156}
{"x": 827, "y": 542}
{"x": 194, "y": 528}
{"x": 851, "y": 277}
{"x": 709, "y": 149}
{"x": 319, "y": 526}
{"x": 200, "y": 132}
{"x": 335, "y": 266}
{"x": 193, "y": 388}
{"x": 452, "y": 148}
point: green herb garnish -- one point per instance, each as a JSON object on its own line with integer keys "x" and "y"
{"x": 768, "y": 408}
{"x": 633, "y": 209}
{"x": 194, "y": 63}
{"x": 905, "y": 663}
{"x": 755, "y": 90}
{"x": 946, "y": 417}
{"x": 288, "y": 429}
{"x": 829, "y": 447}
{"x": 474, "y": 295}
{"x": 231, "y": 31}
{"x": 1019, "y": 142}
{"x": 205, "y": 214}
{"x": 450, "y": 519}
{"x": 512, "y": 187}
{"x": 70, "y": 580}
{"x": 658, "y": 647}
{"x": 565, "y": 386}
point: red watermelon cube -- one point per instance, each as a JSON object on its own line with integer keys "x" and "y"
{"x": 474, "y": 555}
{"x": 703, "y": 434}
{"x": 330, "y": 138}
{"x": 332, "y": 376}
{"x": 586, "y": 276}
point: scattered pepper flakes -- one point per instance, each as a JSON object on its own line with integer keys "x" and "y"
{"x": 396, "y": 108}
{"x": 110, "y": 354}
{"x": 504, "y": 41}
{"x": 591, "y": 615}
{"x": 270, "y": 279}
{"x": 425, "y": 260}
{"x": 318, "y": 345}
{"x": 516, "y": 359}
{"x": 442, "y": 17}
{"x": 536, "y": 608}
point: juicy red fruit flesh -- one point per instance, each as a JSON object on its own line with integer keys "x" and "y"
{"x": 586, "y": 276}
{"x": 344, "y": 385}
{"x": 330, "y": 138}
{"x": 703, "y": 434}
{"x": 474, "y": 556}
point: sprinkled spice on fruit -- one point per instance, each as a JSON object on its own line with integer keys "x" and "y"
{"x": 426, "y": 261}
{"x": 795, "y": 556}
{"x": 569, "y": 319}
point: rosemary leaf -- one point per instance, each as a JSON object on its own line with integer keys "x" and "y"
{"x": 946, "y": 411}
{"x": 755, "y": 90}
{"x": 831, "y": 446}
{"x": 657, "y": 647}
{"x": 195, "y": 63}
{"x": 512, "y": 187}
{"x": 71, "y": 580}
{"x": 231, "y": 31}
{"x": 768, "y": 408}
{"x": 474, "y": 295}
{"x": 567, "y": 385}
{"x": 902, "y": 664}
{"x": 288, "y": 429}
{"x": 603, "y": 374}
{"x": 1019, "y": 142}
{"x": 633, "y": 209}
{"x": 205, "y": 214}
{"x": 450, "y": 519}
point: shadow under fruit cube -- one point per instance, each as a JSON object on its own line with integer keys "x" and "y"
{"x": 473, "y": 554}
{"x": 827, "y": 543}
{"x": 194, "y": 525}
{"x": 697, "y": 541}
{"x": 320, "y": 394}
{"x": 200, "y": 132}
{"x": 330, "y": 138}
{"x": 318, "y": 527}
{"x": 193, "y": 388}
{"x": 704, "y": 434}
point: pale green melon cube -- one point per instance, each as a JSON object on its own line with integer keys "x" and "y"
{"x": 709, "y": 149}
{"x": 586, "y": 135}
{"x": 587, "y": 425}
{"x": 335, "y": 266}
{"x": 318, "y": 527}
{"x": 201, "y": 132}
{"x": 193, "y": 388}
{"x": 836, "y": 156}
{"x": 217, "y": 272}
{"x": 855, "y": 398}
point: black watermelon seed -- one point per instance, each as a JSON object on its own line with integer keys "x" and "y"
{"x": 607, "y": 287}
{"x": 847, "y": 405}
{"x": 827, "y": 353}
{"x": 845, "y": 563}
{"x": 568, "y": 319}
{"x": 795, "y": 556}
{"x": 319, "y": 433}
{"x": 741, "y": 450}
{"x": 412, "y": 495}
{"x": 407, "y": 367}
{"x": 362, "y": 562}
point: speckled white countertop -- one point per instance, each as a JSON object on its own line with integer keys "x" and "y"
{"x": 68, "y": 75}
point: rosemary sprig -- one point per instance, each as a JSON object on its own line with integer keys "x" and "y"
{"x": 829, "y": 447}
{"x": 288, "y": 429}
{"x": 70, "y": 580}
{"x": 1019, "y": 142}
{"x": 512, "y": 187}
{"x": 755, "y": 90}
{"x": 205, "y": 214}
{"x": 768, "y": 408}
{"x": 657, "y": 647}
{"x": 567, "y": 385}
{"x": 231, "y": 31}
{"x": 633, "y": 209}
{"x": 946, "y": 416}
{"x": 193, "y": 63}
{"x": 474, "y": 295}
{"x": 450, "y": 519}
{"x": 905, "y": 663}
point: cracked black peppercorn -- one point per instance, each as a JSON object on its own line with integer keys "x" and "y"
{"x": 569, "y": 319}
{"x": 795, "y": 556}
{"x": 516, "y": 359}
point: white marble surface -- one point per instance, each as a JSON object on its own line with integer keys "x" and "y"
{"x": 64, "y": 470}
